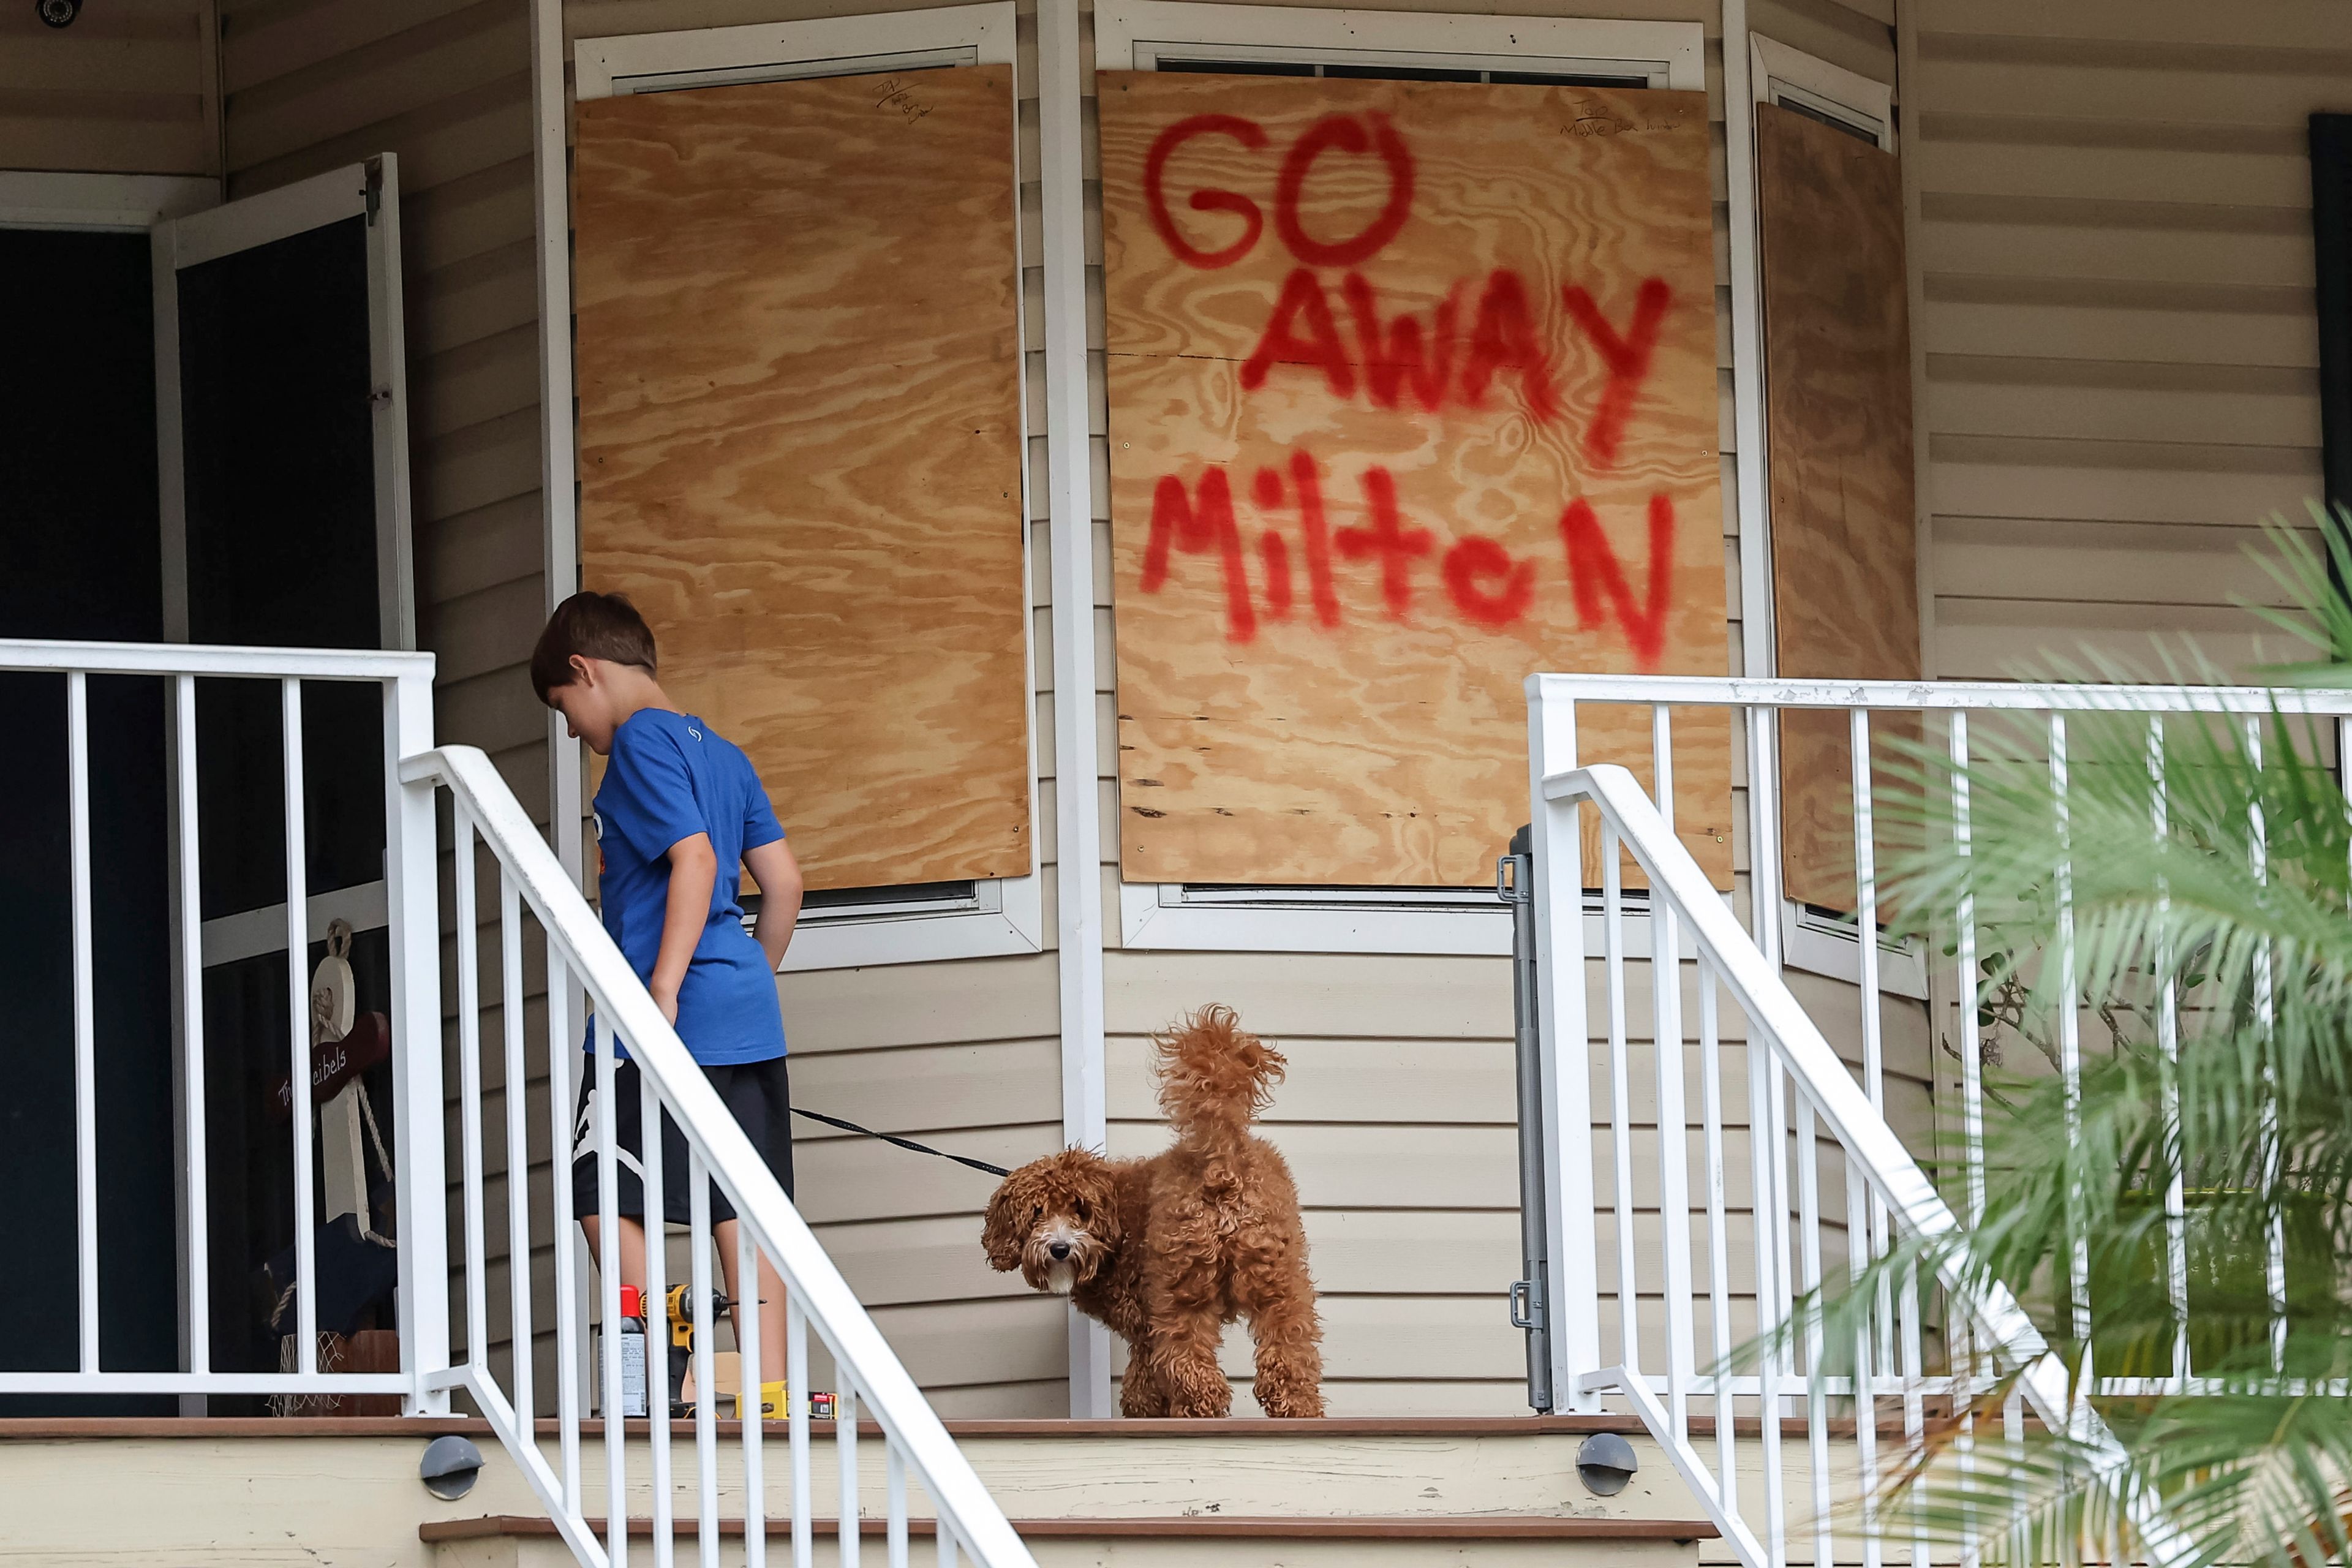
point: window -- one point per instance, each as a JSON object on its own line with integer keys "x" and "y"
{"x": 1169, "y": 36}
{"x": 1818, "y": 939}
{"x": 941, "y": 918}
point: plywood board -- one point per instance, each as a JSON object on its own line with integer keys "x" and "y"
{"x": 1837, "y": 360}
{"x": 1413, "y": 394}
{"x": 800, "y": 446}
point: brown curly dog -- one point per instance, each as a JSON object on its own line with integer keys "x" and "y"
{"x": 1166, "y": 1251}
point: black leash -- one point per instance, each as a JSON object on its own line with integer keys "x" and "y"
{"x": 902, "y": 1142}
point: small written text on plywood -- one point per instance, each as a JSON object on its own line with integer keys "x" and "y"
{"x": 1837, "y": 357}
{"x": 1412, "y": 394}
{"x": 800, "y": 446}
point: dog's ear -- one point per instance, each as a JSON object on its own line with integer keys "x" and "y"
{"x": 1002, "y": 1231}
{"x": 1095, "y": 1184}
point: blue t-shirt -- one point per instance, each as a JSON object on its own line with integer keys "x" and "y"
{"x": 670, "y": 777}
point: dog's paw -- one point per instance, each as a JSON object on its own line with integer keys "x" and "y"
{"x": 1285, "y": 1395}
{"x": 1194, "y": 1390}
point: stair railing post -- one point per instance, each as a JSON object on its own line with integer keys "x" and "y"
{"x": 413, "y": 908}
{"x": 1571, "y": 1290}
{"x": 1514, "y": 881}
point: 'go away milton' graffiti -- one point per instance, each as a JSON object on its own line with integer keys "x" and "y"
{"x": 1484, "y": 330}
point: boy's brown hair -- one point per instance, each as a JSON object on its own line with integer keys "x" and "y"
{"x": 592, "y": 625}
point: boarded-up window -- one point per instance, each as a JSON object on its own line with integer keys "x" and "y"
{"x": 1838, "y": 406}
{"x": 800, "y": 446}
{"x": 1412, "y": 394}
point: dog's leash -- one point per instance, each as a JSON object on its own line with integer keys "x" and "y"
{"x": 901, "y": 1142}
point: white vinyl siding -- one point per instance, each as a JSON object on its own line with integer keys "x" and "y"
{"x": 2121, "y": 348}
{"x": 131, "y": 88}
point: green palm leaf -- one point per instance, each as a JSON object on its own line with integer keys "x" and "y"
{"x": 2213, "y": 1001}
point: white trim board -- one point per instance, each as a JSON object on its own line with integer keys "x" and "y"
{"x": 1154, "y": 918}
{"x": 1140, "y": 35}
{"x": 1454, "y": 931}
{"x": 1828, "y": 946}
{"x": 835, "y": 45}
{"x": 1161, "y": 916}
{"x": 1008, "y": 916}
{"x": 1069, "y": 507}
{"x": 34, "y": 199}
{"x": 1133, "y": 35}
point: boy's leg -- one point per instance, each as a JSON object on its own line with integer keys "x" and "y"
{"x": 587, "y": 1200}
{"x": 759, "y": 1096}
{"x": 726, "y": 1236}
{"x": 632, "y": 1248}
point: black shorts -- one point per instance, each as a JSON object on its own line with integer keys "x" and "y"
{"x": 759, "y": 1096}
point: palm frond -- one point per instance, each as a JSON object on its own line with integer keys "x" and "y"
{"x": 2191, "y": 1183}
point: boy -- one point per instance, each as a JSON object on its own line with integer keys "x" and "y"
{"x": 680, "y": 813}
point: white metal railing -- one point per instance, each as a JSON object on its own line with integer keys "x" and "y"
{"x": 509, "y": 1388}
{"x": 1823, "y": 1172}
{"x": 866, "y": 1372}
{"x": 406, "y": 681}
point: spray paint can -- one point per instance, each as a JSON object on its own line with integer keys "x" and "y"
{"x": 633, "y": 1352}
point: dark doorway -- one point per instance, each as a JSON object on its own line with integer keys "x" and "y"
{"x": 80, "y": 558}
{"x": 281, "y": 548}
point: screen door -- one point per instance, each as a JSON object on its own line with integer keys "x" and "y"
{"x": 283, "y": 467}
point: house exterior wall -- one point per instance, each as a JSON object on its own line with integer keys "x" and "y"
{"x": 1399, "y": 1115}
{"x": 2120, "y": 348}
{"x": 2117, "y": 347}
{"x": 128, "y": 89}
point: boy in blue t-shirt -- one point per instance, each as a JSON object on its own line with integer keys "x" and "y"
{"x": 680, "y": 815}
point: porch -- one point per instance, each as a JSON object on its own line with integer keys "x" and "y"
{"x": 2102, "y": 243}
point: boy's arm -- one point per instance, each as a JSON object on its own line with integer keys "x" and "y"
{"x": 778, "y": 872}
{"x": 693, "y": 871}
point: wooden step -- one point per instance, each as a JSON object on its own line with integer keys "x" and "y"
{"x": 1244, "y": 1467}
{"x": 1094, "y": 1494}
{"x": 1502, "y": 1540}
{"x": 1359, "y": 1527}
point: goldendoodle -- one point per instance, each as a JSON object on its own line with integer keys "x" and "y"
{"x": 1168, "y": 1251}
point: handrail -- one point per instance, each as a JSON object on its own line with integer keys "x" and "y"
{"x": 1780, "y": 1021}
{"x": 1935, "y": 696}
{"x": 433, "y": 1275}
{"x": 41, "y": 654}
{"x": 622, "y": 999}
{"x": 1759, "y": 988}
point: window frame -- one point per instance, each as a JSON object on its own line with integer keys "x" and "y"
{"x": 129, "y": 203}
{"x": 1811, "y": 940}
{"x": 1779, "y": 71}
{"x": 1005, "y": 916}
{"x": 1133, "y": 35}
{"x": 1140, "y": 35}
